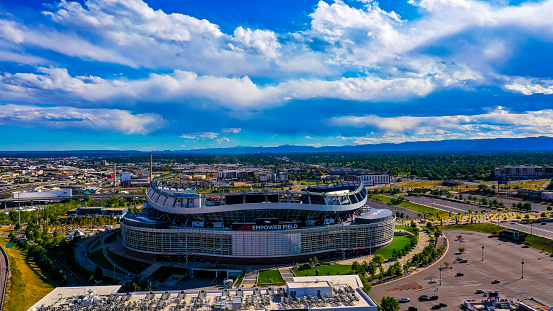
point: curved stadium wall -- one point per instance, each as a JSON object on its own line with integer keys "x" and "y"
{"x": 151, "y": 237}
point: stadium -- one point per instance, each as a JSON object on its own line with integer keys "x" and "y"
{"x": 325, "y": 220}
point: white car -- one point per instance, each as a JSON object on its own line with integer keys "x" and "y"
{"x": 433, "y": 281}
{"x": 403, "y": 299}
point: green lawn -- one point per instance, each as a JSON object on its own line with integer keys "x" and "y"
{"x": 99, "y": 259}
{"x": 269, "y": 277}
{"x": 380, "y": 197}
{"x": 402, "y": 227}
{"x": 540, "y": 243}
{"x": 164, "y": 272}
{"x": 324, "y": 270}
{"x": 399, "y": 243}
{"x": 484, "y": 228}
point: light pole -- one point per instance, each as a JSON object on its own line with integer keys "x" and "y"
{"x": 482, "y": 252}
{"x": 440, "y": 268}
{"x": 522, "y": 262}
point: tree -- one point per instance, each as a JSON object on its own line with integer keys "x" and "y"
{"x": 378, "y": 259}
{"x": 389, "y": 304}
{"x": 461, "y": 249}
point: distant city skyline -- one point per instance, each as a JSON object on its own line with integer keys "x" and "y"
{"x": 180, "y": 75}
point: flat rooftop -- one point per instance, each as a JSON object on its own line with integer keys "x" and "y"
{"x": 272, "y": 298}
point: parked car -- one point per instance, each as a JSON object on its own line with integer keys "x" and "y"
{"x": 413, "y": 309}
{"x": 458, "y": 258}
{"x": 433, "y": 298}
{"x": 543, "y": 223}
{"x": 433, "y": 281}
{"x": 436, "y": 307}
{"x": 443, "y": 305}
{"x": 424, "y": 298}
{"x": 403, "y": 299}
{"x": 479, "y": 291}
{"x": 463, "y": 261}
{"x": 495, "y": 282}
{"x": 459, "y": 274}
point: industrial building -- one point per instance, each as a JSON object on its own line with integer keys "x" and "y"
{"x": 342, "y": 292}
{"x": 244, "y": 227}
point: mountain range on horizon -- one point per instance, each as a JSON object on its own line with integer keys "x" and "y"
{"x": 541, "y": 143}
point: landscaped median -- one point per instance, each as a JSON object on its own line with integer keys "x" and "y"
{"x": 423, "y": 209}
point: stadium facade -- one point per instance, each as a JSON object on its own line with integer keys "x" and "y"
{"x": 256, "y": 226}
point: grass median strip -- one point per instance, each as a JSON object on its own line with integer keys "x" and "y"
{"x": 423, "y": 209}
{"x": 484, "y": 228}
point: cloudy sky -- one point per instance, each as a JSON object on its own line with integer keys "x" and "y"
{"x": 160, "y": 74}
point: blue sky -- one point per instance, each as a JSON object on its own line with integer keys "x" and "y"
{"x": 158, "y": 75}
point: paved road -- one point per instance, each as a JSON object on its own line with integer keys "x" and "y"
{"x": 502, "y": 261}
{"x": 4, "y": 275}
{"x": 535, "y": 228}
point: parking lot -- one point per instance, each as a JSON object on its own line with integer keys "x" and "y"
{"x": 502, "y": 261}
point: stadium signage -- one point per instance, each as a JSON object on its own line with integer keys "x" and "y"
{"x": 267, "y": 227}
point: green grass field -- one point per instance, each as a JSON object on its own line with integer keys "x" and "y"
{"x": 324, "y": 270}
{"x": 130, "y": 265}
{"x": 380, "y": 197}
{"x": 165, "y": 272}
{"x": 399, "y": 243}
{"x": 540, "y": 243}
{"x": 28, "y": 283}
{"x": 402, "y": 227}
{"x": 484, "y": 228}
{"x": 99, "y": 259}
{"x": 269, "y": 277}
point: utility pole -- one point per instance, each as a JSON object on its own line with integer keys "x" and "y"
{"x": 522, "y": 262}
{"x": 440, "y": 268}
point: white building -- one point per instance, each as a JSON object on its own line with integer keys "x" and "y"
{"x": 375, "y": 179}
{"x": 42, "y": 194}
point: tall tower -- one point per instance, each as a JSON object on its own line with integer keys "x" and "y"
{"x": 151, "y": 177}
{"x": 114, "y": 173}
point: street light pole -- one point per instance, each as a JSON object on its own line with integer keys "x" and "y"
{"x": 440, "y": 275}
{"x": 522, "y": 262}
{"x": 482, "y": 252}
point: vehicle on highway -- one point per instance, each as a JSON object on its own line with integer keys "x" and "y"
{"x": 403, "y": 299}
{"x": 459, "y": 274}
{"x": 413, "y": 309}
{"x": 495, "y": 282}
{"x": 443, "y": 305}
{"x": 424, "y": 298}
{"x": 433, "y": 281}
{"x": 433, "y": 298}
{"x": 436, "y": 307}
{"x": 479, "y": 291}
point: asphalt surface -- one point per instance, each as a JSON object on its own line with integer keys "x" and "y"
{"x": 4, "y": 273}
{"x": 502, "y": 261}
